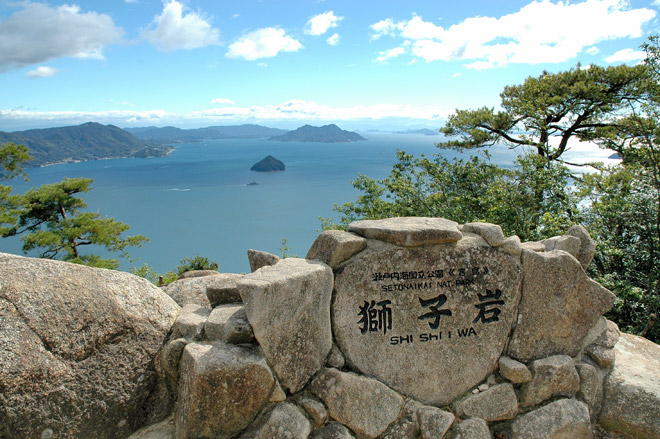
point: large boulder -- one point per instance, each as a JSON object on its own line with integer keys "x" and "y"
{"x": 562, "y": 419}
{"x": 221, "y": 390}
{"x": 207, "y": 291}
{"x": 559, "y": 306}
{"x": 631, "y": 403}
{"x": 364, "y": 405}
{"x": 77, "y": 346}
{"x": 408, "y": 315}
{"x": 288, "y": 306}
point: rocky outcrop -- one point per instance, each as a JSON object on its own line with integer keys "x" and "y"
{"x": 631, "y": 400}
{"x": 76, "y": 349}
{"x": 405, "y": 328}
{"x": 208, "y": 291}
{"x": 288, "y": 306}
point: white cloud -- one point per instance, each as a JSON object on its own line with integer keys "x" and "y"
{"x": 42, "y": 72}
{"x": 173, "y": 29}
{"x": 593, "y": 50}
{"x": 333, "y": 40}
{"x": 222, "y": 101}
{"x": 292, "y": 110}
{"x": 456, "y": 75}
{"x": 263, "y": 43}
{"x": 319, "y": 24}
{"x": 541, "y": 32}
{"x": 39, "y": 33}
{"x": 626, "y": 55}
{"x": 392, "y": 53}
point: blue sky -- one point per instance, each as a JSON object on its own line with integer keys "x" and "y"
{"x": 359, "y": 63}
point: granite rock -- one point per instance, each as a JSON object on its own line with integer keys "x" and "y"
{"x": 288, "y": 307}
{"x": 258, "y": 259}
{"x": 631, "y": 402}
{"x": 190, "y": 322}
{"x": 408, "y": 231}
{"x": 364, "y": 405}
{"x": 434, "y": 423}
{"x": 564, "y": 418}
{"x": 77, "y": 349}
{"x": 492, "y": 233}
{"x": 495, "y": 404}
{"x": 472, "y": 428}
{"x": 332, "y": 430}
{"x": 284, "y": 421}
{"x": 551, "y": 376}
{"x": 221, "y": 389}
{"x": 514, "y": 371}
{"x": 409, "y": 315}
{"x": 587, "y": 245}
{"x": 559, "y": 306}
{"x": 333, "y": 247}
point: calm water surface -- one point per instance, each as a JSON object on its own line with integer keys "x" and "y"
{"x": 198, "y": 201}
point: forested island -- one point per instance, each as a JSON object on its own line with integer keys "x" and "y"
{"x": 178, "y": 135}
{"x": 89, "y": 141}
{"x": 269, "y": 164}
{"x": 325, "y": 134}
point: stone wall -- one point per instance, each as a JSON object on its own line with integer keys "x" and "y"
{"x": 413, "y": 328}
{"x": 400, "y": 328}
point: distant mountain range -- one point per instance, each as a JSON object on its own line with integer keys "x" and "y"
{"x": 89, "y": 141}
{"x": 172, "y": 134}
{"x": 326, "y": 134}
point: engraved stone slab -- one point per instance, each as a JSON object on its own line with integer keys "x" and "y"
{"x": 429, "y": 322}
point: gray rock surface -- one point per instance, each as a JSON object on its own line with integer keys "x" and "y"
{"x": 364, "y": 405}
{"x": 512, "y": 245}
{"x": 288, "y": 306}
{"x": 562, "y": 419}
{"x": 559, "y": 306}
{"x": 315, "y": 409}
{"x": 222, "y": 289}
{"x": 221, "y": 389}
{"x": 409, "y": 315}
{"x": 492, "y": 233}
{"x": 567, "y": 243}
{"x": 335, "y": 358}
{"x": 161, "y": 430}
{"x": 631, "y": 403}
{"x": 284, "y": 421}
{"x": 587, "y": 245}
{"x": 495, "y": 404}
{"x": 229, "y": 323}
{"x": 77, "y": 349}
{"x": 433, "y": 422}
{"x": 473, "y": 428}
{"x": 514, "y": 371}
{"x": 258, "y": 259}
{"x": 333, "y": 247}
{"x": 591, "y": 387}
{"x": 332, "y": 430}
{"x": 170, "y": 361}
{"x": 534, "y": 246}
{"x": 190, "y": 322}
{"x": 551, "y": 376}
{"x": 190, "y": 290}
{"x": 198, "y": 273}
{"x": 408, "y": 231}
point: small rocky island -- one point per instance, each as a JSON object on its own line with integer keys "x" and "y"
{"x": 325, "y": 134}
{"x": 269, "y": 164}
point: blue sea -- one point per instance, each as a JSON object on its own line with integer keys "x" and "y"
{"x": 198, "y": 199}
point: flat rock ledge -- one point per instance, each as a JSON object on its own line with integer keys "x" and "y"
{"x": 408, "y": 231}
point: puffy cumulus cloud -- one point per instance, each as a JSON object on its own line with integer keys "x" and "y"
{"x": 38, "y": 33}
{"x": 221, "y": 101}
{"x": 263, "y": 43}
{"x": 292, "y": 110}
{"x": 319, "y": 24}
{"x": 333, "y": 40}
{"x": 175, "y": 29}
{"x": 626, "y": 55}
{"x": 541, "y": 32}
{"x": 42, "y": 72}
